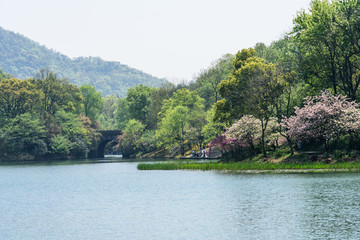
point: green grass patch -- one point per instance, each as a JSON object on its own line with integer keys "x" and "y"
{"x": 255, "y": 166}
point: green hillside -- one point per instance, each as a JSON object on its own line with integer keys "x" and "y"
{"x": 23, "y": 57}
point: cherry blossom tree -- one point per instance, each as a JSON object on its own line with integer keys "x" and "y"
{"x": 247, "y": 129}
{"x": 323, "y": 118}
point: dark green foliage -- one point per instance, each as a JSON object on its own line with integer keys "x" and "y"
{"x": 23, "y": 57}
{"x": 18, "y": 97}
{"x": 157, "y": 97}
{"x": 40, "y": 118}
{"x": 24, "y": 133}
{"x": 328, "y": 39}
{"x": 57, "y": 94}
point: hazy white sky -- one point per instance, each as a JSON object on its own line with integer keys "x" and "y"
{"x": 166, "y": 38}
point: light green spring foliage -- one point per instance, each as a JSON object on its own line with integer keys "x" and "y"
{"x": 148, "y": 140}
{"x": 183, "y": 97}
{"x": 130, "y": 141}
{"x": 207, "y": 81}
{"x": 212, "y": 129}
{"x": 134, "y": 130}
{"x": 93, "y": 102}
{"x": 70, "y": 124}
{"x": 234, "y": 90}
{"x": 184, "y": 111}
{"x": 157, "y": 97}
{"x": 60, "y": 145}
{"x": 135, "y": 106}
{"x": 251, "y": 88}
{"x": 107, "y": 116}
{"x": 134, "y": 127}
{"x": 173, "y": 126}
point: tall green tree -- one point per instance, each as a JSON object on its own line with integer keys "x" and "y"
{"x": 236, "y": 89}
{"x": 107, "y": 116}
{"x": 139, "y": 101}
{"x": 130, "y": 142}
{"x": 183, "y": 97}
{"x": 17, "y": 97}
{"x": 208, "y": 80}
{"x": 253, "y": 88}
{"x": 71, "y": 134}
{"x": 157, "y": 97}
{"x": 183, "y": 114}
{"x": 93, "y": 102}
{"x": 134, "y": 106}
{"x": 57, "y": 94}
{"x": 328, "y": 37}
{"x": 173, "y": 127}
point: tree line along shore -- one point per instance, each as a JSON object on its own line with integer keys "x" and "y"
{"x": 270, "y": 104}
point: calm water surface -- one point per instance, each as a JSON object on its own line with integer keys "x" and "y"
{"x": 116, "y": 201}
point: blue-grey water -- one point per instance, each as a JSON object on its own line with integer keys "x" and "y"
{"x": 116, "y": 201}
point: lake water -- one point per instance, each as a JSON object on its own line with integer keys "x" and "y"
{"x": 113, "y": 200}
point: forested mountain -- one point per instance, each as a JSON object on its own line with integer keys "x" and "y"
{"x": 23, "y": 57}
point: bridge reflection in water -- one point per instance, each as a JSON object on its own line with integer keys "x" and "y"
{"x": 106, "y": 136}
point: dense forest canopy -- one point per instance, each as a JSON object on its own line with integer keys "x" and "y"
{"x": 302, "y": 88}
{"x": 23, "y": 57}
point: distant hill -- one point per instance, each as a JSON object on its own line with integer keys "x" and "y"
{"x": 23, "y": 57}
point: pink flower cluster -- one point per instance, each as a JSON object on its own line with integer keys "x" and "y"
{"x": 246, "y": 129}
{"x": 323, "y": 117}
{"x": 225, "y": 144}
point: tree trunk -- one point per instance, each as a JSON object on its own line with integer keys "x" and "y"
{"x": 290, "y": 145}
{"x": 263, "y": 128}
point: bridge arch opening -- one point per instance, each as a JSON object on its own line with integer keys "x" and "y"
{"x": 107, "y": 136}
{"x": 110, "y": 149}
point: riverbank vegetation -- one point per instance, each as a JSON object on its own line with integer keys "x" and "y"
{"x": 299, "y": 94}
{"x": 254, "y": 167}
{"x": 46, "y": 117}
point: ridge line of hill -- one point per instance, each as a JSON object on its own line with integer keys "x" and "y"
{"x": 22, "y": 57}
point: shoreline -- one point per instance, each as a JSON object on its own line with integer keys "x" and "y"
{"x": 292, "y": 171}
{"x": 254, "y": 167}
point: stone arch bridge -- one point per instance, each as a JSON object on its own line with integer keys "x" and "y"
{"x": 106, "y": 136}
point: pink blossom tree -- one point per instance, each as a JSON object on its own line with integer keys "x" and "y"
{"x": 226, "y": 145}
{"x": 247, "y": 129}
{"x": 323, "y": 118}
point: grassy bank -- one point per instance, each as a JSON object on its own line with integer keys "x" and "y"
{"x": 254, "y": 167}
